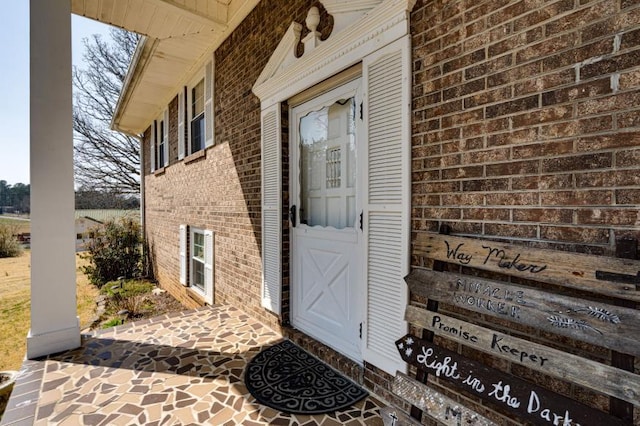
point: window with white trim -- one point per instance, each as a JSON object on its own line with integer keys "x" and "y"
{"x": 197, "y": 104}
{"x": 196, "y": 117}
{"x": 196, "y": 257}
{"x": 160, "y": 142}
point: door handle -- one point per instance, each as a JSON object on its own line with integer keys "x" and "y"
{"x": 292, "y": 215}
{"x": 361, "y": 219}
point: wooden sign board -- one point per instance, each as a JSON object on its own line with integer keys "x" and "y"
{"x": 598, "y": 274}
{"x": 523, "y": 399}
{"x": 591, "y": 374}
{"x": 613, "y": 327}
{"x": 436, "y": 404}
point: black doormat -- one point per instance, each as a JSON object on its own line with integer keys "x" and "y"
{"x": 287, "y": 378}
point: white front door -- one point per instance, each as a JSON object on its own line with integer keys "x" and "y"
{"x": 326, "y": 270}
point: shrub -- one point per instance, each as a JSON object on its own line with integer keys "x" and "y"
{"x": 114, "y": 252}
{"x": 9, "y": 245}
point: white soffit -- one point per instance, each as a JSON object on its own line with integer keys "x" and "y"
{"x": 157, "y": 18}
{"x": 178, "y": 36}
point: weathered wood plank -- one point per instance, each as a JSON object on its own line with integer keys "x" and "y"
{"x": 625, "y": 248}
{"x": 522, "y": 399}
{"x": 432, "y": 305}
{"x": 594, "y": 375}
{"x": 605, "y": 325}
{"x": 598, "y": 274}
{"x": 437, "y": 405}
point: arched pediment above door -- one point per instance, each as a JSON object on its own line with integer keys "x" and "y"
{"x": 360, "y": 28}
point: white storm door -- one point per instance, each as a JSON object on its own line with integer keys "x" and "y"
{"x": 327, "y": 284}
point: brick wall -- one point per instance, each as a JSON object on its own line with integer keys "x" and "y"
{"x": 526, "y": 127}
{"x": 525, "y": 120}
{"x": 221, "y": 191}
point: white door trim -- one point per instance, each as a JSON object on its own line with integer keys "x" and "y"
{"x": 346, "y": 237}
{"x": 285, "y": 75}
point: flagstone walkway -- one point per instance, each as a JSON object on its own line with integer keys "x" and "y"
{"x": 185, "y": 368}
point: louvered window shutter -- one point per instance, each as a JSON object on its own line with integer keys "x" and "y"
{"x": 165, "y": 137}
{"x": 387, "y": 76}
{"x": 183, "y": 254}
{"x": 271, "y": 209}
{"x": 182, "y": 99}
{"x": 208, "y": 104}
{"x": 154, "y": 136}
{"x": 208, "y": 266}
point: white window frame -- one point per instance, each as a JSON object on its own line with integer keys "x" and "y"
{"x": 160, "y": 159}
{"x": 192, "y": 233}
{"x": 191, "y": 118}
{"x": 161, "y": 129}
{"x": 159, "y": 140}
{"x": 199, "y": 77}
{"x": 187, "y": 261}
{"x": 205, "y": 75}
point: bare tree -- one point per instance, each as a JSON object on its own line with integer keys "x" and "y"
{"x": 105, "y": 160}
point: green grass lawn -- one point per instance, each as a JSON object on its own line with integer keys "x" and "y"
{"x": 15, "y": 305}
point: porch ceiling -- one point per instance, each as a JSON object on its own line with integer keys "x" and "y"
{"x": 177, "y": 34}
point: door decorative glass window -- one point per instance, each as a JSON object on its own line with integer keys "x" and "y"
{"x": 328, "y": 166}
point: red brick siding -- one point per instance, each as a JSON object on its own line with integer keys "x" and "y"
{"x": 221, "y": 192}
{"x": 525, "y": 120}
{"x": 516, "y": 134}
{"x": 525, "y": 127}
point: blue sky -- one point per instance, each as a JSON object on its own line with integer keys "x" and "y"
{"x": 14, "y": 84}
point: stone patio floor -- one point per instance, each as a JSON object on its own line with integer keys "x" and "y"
{"x": 185, "y": 368}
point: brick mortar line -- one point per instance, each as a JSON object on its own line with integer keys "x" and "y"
{"x": 529, "y": 160}
{"x": 512, "y": 83}
{"x": 573, "y": 102}
{"x": 524, "y": 30}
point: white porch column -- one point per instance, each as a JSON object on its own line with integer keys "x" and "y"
{"x": 54, "y": 324}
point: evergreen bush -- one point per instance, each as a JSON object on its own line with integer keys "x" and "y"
{"x": 114, "y": 252}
